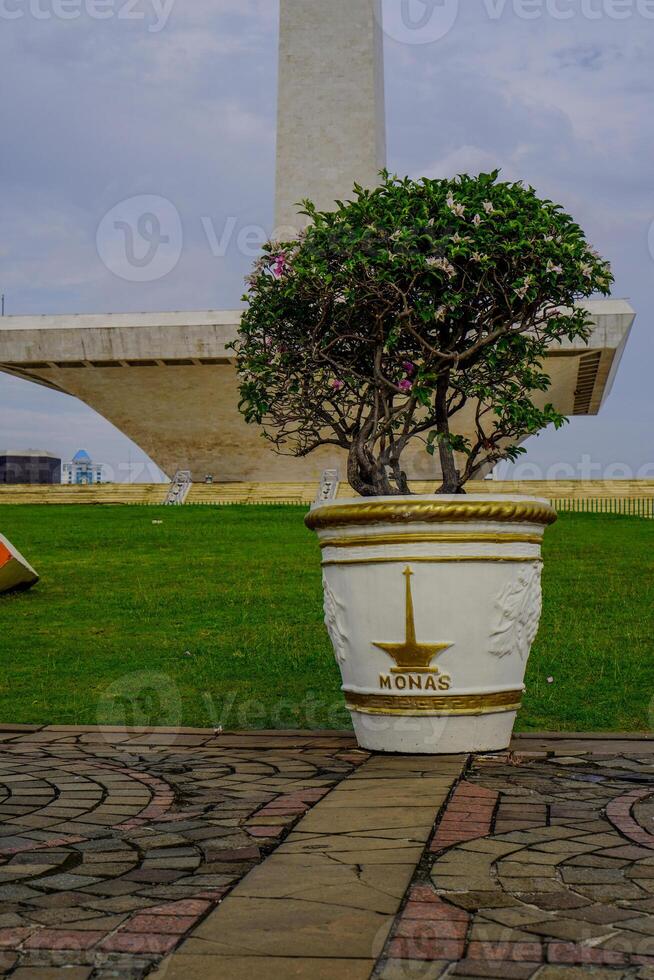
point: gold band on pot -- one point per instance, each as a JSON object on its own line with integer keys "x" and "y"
{"x": 430, "y": 512}
{"x": 372, "y": 541}
{"x": 435, "y": 559}
{"x": 452, "y": 704}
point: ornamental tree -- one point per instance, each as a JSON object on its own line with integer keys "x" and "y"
{"x": 395, "y": 311}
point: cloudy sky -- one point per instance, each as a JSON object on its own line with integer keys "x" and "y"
{"x": 107, "y": 100}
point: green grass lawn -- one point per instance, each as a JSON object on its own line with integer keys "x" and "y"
{"x": 214, "y": 617}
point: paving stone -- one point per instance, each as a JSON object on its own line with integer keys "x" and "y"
{"x": 473, "y": 901}
{"x": 575, "y": 973}
{"x": 43, "y": 973}
{"x": 397, "y": 969}
{"x": 608, "y": 893}
{"x": 167, "y": 924}
{"x": 426, "y": 948}
{"x": 595, "y": 861}
{"x": 628, "y": 851}
{"x": 517, "y": 917}
{"x": 203, "y": 967}
{"x": 72, "y": 939}
{"x": 602, "y": 914}
{"x": 576, "y": 930}
{"x": 557, "y": 901}
{"x": 479, "y": 970}
{"x": 506, "y": 951}
{"x": 572, "y": 953}
{"x": 13, "y": 937}
{"x": 188, "y": 907}
{"x": 532, "y": 859}
{"x": 7, "y": 961}
{"x": 484, "y": 931}
{"x": 317, "y": 878}
{"x": 433, "y": 910}
{"x": 10, "y": 919}
{"x": 591, "y": 876}
{"x": 417, "y": 820}
{"x": 421, "y": 929}
{"x": 132, "y": 942}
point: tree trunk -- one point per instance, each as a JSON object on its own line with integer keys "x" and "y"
{"x": 451, "y": 477}
{"x": 400, "y": 477}
{"x": 366, "y": 474}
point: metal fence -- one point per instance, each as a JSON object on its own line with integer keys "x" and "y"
{"x": 626, "y": 506}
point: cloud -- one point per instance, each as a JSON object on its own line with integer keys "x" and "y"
{"x": 102, "y": 111}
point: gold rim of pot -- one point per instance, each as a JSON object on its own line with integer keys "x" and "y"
{"x": 430, "y": 512}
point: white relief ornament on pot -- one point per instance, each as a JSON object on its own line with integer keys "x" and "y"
{"x": 519, "y": 605}
{"x": 334, "y": 615}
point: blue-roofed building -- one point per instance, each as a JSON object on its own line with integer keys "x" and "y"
{"x": 82, "y": 470}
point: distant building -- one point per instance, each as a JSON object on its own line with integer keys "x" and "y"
{"x": 29, "y": 466}
{"x": 82, "y": 471}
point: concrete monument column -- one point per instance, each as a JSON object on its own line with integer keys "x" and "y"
{"x": 331, "y": 127}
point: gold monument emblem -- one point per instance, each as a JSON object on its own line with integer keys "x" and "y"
{"x": 411, "y": 656}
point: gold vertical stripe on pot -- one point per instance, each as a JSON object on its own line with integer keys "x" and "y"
{"x": 412, "y": 559}
{"x": 360, "y": 541}
{"x": 451, "y": 704}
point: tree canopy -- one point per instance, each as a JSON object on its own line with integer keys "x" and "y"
{"x": 396, "y": 310}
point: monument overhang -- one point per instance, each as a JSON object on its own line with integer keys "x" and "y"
{"x": 37, "y": 347}
{"x": 168, "y": 381}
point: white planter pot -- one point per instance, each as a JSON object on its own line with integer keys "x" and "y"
{"x": 432, "y": 605}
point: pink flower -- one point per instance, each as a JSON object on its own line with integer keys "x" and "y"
{"x": 550, "y": 680}
{"x": 410, "y": 368}
{"x": 280, "y": 265}
{"x": 406, "y": 385}
{"x": 338, "y": 385}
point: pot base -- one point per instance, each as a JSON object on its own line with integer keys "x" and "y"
{"x": 434, "y": 735}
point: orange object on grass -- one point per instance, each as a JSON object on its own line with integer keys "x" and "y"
{"x": 5, "y": 555}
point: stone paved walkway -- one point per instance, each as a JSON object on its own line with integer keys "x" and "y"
{"x": 127, "y": 853}
{"x": 112, "y": 847}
